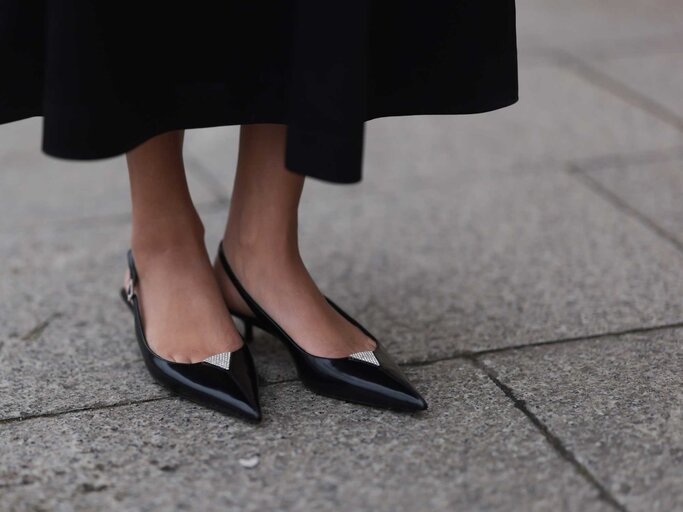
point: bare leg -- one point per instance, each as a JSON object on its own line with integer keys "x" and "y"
{"x": 185, "y": 317}
{"x": 261, "y": 244}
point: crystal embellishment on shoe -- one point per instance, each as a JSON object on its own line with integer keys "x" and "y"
{"x": 221, "y": 360}
{"x": 366, "y": 356}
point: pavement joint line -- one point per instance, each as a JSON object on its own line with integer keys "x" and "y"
{"x": 595, "y": 50}
{"x": 555, "y": 442}
{"x": 468, "y": 355}
{"x": 54, "y": 414}
{"x": 635, "y": 53}
{"x": 629, "y": 47}
{"x": 619, "y": 89}
{"x": 594, "y": 185}
{"x": 609, "y": 161}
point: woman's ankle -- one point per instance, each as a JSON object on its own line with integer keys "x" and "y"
{"x": 261, "y": 250}
{"x": 167, "y": 233}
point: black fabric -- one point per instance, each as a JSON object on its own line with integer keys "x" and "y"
{"x": 106, "y": 76}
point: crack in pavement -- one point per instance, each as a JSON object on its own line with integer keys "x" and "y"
{"x": 35, "y": 333}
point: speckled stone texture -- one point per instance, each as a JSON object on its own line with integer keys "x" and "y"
{"x": 473, "y": 451}
{"x": 493, "y": 268}
{"x": 525, "y": 267}
{"x": 652, "y": 188}
{"x": 618, "y": 405}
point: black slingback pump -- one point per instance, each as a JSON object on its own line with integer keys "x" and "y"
{"x": 369, "y": 378}
{"x": 225, "y": 382}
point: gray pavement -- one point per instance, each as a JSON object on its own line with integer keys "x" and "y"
{"x": 524, "y": 266}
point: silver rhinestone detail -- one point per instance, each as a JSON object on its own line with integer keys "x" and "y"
{"x": 367, "y": 356}
{"x": 130, "y": 291}
{"x": 221, "y": 360}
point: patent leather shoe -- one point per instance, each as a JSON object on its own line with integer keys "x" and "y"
{"x": 370, "y": 377}
{"x": 225, "y": 382}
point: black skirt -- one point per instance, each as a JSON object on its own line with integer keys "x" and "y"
{"x": 106, "y": 76}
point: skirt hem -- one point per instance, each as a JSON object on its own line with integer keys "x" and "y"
{"x": 163, "y": 126}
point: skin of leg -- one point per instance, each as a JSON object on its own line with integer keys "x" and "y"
{"x": 261, "y": 244}
{"x": 185, "y": 317}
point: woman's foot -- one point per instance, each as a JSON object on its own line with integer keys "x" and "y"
{"x": 185, "y": 317}
{"x": 280, "y": 283}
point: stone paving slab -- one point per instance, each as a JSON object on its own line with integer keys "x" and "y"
{"x": 466, "y": 234}
{"x": 215, "y": 151}
{"x": 561, "y": 117}
{"x": 580, "y": 23}
{"x": 617, "y": 404}
{"x": 20, "y": 138}
{"x": 657, "y": 77}
{"x": 473, "y": 450}
{"x": 43, "y": 272}
{"x": 483, "y": 267}
{"x": 66, "y": 338}
{"x": 489, "y": 264}
{"x": 70, "y": 363}
{"x": 654, "y": 190}
{"x": 36, "y": 189}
